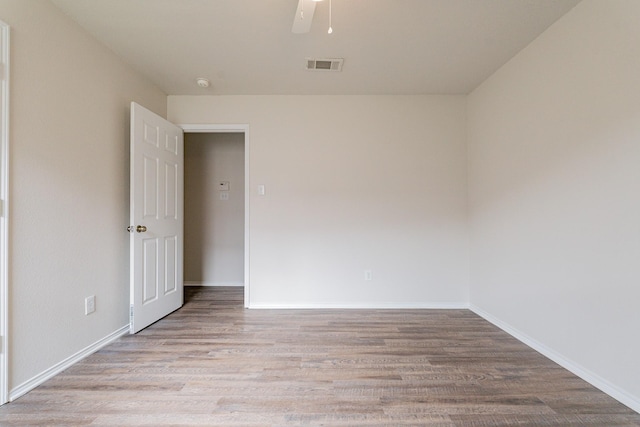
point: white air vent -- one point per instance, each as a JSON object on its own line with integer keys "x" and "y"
{"x": 324, "y": 64}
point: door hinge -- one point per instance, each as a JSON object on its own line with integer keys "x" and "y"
{"x": 131, "y": 312}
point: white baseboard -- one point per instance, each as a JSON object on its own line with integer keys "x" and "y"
{"x": 595, "y": 380}
{"x": 29, "y": 385}
{"x": 366, "y": 306}
{"x": 213, "y": 284}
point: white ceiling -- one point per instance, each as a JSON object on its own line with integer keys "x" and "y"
{"x": 247, "y": 47}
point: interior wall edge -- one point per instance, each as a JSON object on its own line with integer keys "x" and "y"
{"x": 210, "y": 285}
{"x": 54, "y": 370}
{"x": 595, "y": 380}
{"x": 365, "y": 306}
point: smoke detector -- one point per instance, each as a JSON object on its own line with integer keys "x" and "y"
{"x": 202, "y": 82}
{"x": 324, "y": 64}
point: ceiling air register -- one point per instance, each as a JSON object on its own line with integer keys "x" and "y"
{"x": 324, "y": 64}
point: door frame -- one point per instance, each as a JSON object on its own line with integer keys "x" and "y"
{"x": 244, "y": 129}
{"x": 4, "y": 212}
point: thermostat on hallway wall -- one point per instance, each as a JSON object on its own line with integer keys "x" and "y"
{"x": 223, "y": 186}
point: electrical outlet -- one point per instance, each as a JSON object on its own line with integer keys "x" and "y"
{"x": 89, "y": 304}
{"x": 368, "y": 275}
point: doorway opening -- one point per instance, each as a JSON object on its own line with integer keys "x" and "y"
{"x": 216, "y": 206}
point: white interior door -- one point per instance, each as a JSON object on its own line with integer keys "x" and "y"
{"x": 156, "y": 218}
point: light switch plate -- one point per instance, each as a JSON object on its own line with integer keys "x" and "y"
{"x": 89, "y": 304}
{"x": 223, "y": 186}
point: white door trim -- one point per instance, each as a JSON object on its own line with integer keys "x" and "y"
{"x": 234, "y": 128}
{"x": 4, "y": 212}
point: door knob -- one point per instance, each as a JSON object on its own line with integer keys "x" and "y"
{"x": 141, "y": 228}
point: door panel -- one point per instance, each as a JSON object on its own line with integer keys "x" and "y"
{"x": 150, "y": 269}
{"x": 171, "y": 264}
{"x": 150, "y": 188}
{"x": 157, "y": 170}
{"x": 171, "y": 185}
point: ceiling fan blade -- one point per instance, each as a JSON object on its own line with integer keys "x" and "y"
{"x": 304, "y": 16}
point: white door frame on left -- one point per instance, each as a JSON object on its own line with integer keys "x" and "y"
{"x": 4, "y": 212}
{"x": 234, "y": 128}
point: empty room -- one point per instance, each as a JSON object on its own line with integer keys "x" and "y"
{"x": 333, "y": 212}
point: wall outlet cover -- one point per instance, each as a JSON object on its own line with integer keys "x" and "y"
{"x": 89, "y": 304}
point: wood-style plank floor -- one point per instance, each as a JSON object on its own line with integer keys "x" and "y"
{"x": 214, "y": 363}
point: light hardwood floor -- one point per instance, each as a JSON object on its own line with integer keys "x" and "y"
{"x": 215, "y": 363}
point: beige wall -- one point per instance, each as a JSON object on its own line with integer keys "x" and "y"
{"x": 213, "y": 228}
{"x": 554, "y": 150}
{"x": 69, "y": 173}
{"x": 353, "y": 183}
